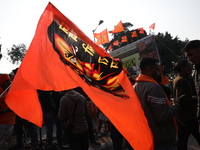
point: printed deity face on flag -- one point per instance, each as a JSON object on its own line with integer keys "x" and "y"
{"x": 101, "y": 72}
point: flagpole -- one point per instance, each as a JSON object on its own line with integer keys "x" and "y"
{"x": 100, "y": 22}
{"x": 5, "y": 91}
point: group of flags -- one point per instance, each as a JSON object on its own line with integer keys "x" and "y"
{"x": 62, "y": 57}
{"x": 103, "y": 38}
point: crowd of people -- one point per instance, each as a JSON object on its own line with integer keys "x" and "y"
{"x": 172, "y": 115}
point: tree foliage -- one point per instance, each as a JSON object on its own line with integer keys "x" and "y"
{"x": 16, "y": 53}
{"x": 169, "y": 49}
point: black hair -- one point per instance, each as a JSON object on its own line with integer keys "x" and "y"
{"x": 191, "y": 45}
{"x": 146, "y": 62}
{"x": 180, "y": 64}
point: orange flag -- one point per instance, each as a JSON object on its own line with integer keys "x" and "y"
{"x": 118, "y": 28}
{"x": 152, "y": 26}
{"x": 124, "y": 39}
{"x": 110, "y": 47}
{"x": 134, "y": 34}
{"x": 116, "y": 42}
{"x": 62, "y": 57}
{"x": 141, "y": 30}
{"x": 102, "y": 37}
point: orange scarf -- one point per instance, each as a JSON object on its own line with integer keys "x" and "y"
{"x": 142, "y": 77}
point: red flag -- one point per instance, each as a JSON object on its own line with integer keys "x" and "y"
{"x": 141, "y": 30}
{"x": 124, "y": 39}
{"x": 110, "y": 48}
{"x": 118, "y": 28}
{"x": 116, "y": 42}
{"x": 134, "y": 34}
{"x": 152, "y": 26}
{"x": 62, "y": 57}
{"x": 102, "y": 37}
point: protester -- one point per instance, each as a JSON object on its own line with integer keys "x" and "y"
{"x": 89, "y": 118}
{"x": 187, "y": 115}
{"x": 156, "y": 106}
{"x": 61, "y": 136}
{"x": 48, "y": 105}
{"x": 23, "y": 129}
{"x": 192, "y": 51}
{"x": 7, "y": 116}
{"x": 78, "y": 137}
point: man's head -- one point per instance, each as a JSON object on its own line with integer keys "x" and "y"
{"x": 149, "y": 67}
{"x": 183, "y": 67}
{"x": 192, "y": 51}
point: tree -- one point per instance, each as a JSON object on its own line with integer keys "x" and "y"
{"x": 17, "y": 53}
{"x": 169, "y": 49}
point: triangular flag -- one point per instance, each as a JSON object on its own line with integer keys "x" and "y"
{"x": 134, "y": 34}
{"x": 110, "y": 48}
{"x": 124, "y": 39}
{"x": 62, "y": 57}
{"x": 116, "y": 42}
{"x": 141, "y": 30}
{"x": 102, "y": 37}
{"x": 152, "y": 26}
{"x": 118, "y": 28}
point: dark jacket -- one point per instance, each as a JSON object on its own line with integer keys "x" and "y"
{"x": 159, "y": 115}
{"x": 188, "y": 105}
{"x": 67, "y": 105}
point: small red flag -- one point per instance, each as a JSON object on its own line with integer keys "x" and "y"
{"x": 118, "y": 28}
{"x": 101, "y": 37}
{"x": 134, "y": 34}
{"x": 152, "y": 26}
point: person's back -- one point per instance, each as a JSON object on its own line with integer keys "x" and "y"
{"x": 154, "y": 103}
{"x": 79, "y": 133}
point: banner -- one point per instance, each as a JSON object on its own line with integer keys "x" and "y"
{"x": 62, "y": 57}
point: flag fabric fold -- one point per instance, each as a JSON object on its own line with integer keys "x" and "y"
{"x": 102, "y": 37}
{"x": 62, "y": 57}
{"x": 118, "y": 28}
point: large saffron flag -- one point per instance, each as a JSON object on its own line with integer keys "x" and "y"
{"x": 62, "y": 57}
{"x": 102, "y": 37}
{"x": 118, "y": 28}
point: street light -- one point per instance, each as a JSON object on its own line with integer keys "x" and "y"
{"x": 100, "y": 22}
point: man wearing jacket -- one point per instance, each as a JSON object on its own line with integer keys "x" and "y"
{"x": 159, "y": 113}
